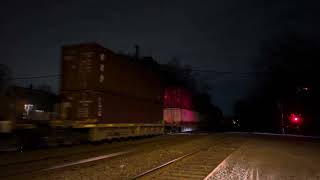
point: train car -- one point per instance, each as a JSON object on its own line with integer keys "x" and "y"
{"x": 108, "y": 95}
{"x": 178, "y": 112}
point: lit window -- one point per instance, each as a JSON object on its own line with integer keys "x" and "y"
{"x": 99, "y": 106}
{"x": 102, "y": 57}
{"x": 28, "y": 108}
{"x": 101, "y": 79}
{"x": 101, "y": 67}
{"x": 99, "y": 102}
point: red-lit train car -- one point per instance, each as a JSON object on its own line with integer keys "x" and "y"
{"x": 109, "y": 95}
{"x": 178, "y": 110}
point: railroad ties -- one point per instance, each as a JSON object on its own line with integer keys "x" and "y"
{"x": 193, "y": 166}
{"x": 197, "y": 166}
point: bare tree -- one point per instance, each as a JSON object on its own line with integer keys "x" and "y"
{"x": 45, "y": 87}
{"x": 5, "y": 75}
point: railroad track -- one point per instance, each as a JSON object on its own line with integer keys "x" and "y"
{"x": 193, "y": 166}
{"x": 61, "y": 156}
{"x": 65, "y": 160}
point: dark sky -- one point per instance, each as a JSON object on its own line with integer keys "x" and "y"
{"x": 223, "y": 35}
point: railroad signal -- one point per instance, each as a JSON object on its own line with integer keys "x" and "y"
{"x": 295, "y": 118}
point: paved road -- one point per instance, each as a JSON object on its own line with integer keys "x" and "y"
{"x": 272, "y": 157}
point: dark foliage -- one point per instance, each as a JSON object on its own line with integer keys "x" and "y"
{"x": 289, "y": 84}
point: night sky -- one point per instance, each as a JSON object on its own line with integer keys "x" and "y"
{"x": 224, "y": 35}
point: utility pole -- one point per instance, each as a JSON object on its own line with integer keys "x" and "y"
{"x": 282, "y": 123}
{"x": 137, "y": 48}
{"x": 282, "y": 117}
{"x": 280, "y": 106}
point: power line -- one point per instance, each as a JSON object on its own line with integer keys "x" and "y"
{"x": 242, "y": 74}
{"x": 36, "y": 77}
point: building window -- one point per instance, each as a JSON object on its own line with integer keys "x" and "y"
{"x": 28, "y": 108}
{"x": 101, "y": 79}
{"x": 99, "y": 107}
{"x": 101, "y": 67}
{"x": 83, "y": 112}
{"x": 102, "y": 57}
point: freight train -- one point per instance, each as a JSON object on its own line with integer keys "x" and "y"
{"x": 105, "y": 95}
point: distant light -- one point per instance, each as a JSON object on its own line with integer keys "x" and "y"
{"x": 28, "y": 107}
{"x": 295, "y": 118}
{"x": 187, "y": 129}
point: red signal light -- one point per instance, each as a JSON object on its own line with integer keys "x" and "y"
{"x": 295, "y": 118}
